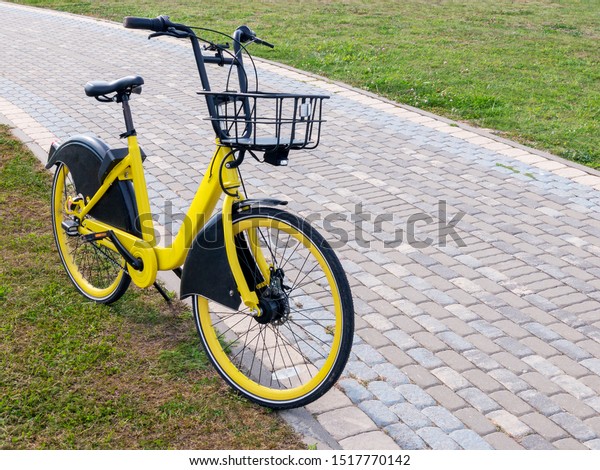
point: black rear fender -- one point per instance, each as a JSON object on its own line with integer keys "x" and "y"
{"x": 84, "y": 156}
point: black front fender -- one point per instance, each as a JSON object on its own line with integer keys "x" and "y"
{"x": 206, "y": 271}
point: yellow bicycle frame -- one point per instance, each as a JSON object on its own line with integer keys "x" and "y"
{"x": 157, "y": 258}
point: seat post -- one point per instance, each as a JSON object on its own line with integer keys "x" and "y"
{"x": 130, "y": 130}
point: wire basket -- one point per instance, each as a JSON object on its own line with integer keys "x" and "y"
{"x": 266, "y": 121}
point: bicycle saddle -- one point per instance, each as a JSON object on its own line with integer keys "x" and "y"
{"x": 101, "y": 88}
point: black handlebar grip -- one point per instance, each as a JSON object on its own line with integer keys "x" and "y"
{"x": 158, "y": 24}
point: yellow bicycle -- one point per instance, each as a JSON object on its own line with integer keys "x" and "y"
{"x": 270, "y": 299}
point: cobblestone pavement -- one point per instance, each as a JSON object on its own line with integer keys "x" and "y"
{"x": 487, "y": 337}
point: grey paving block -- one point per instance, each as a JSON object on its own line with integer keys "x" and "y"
{"x": 443, "y": 419}
{"x": 405, "y": 437}
{"x": 411, "y": 416}
{"x": 469, "y": 440}
{"x": 416, "y": 395}
{"x": 574, "y": 426}
{"x": 385, "y": 393}
{"x": 478, "y": 400}
{"x": 381, "y": 415}
{"x": 437, "y": 439}
{"x": 354, "y": 390}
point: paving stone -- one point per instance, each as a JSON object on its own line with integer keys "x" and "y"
{"x": 361, "y": 371}
{"x": 501, "y": 441}
{"x": 446, "y": 398}
{"x": 368, "y": 354}
{"x": 510, "y": 380}
{"x": 416, "y": 395}
{"x": 346, "y": 422}
{"x": 354, "y": 390}
{"x": 391, "y": 374}
{"x": 574, "y": 426}
{"x": 569, "y": 444}
{"x": 573, "y": 386}
{"x": 544, "y": 426}
{"x": 430, "y": 342}
{"x": 401, "y": 339}
{"x": 516, "y": 348}
{"x": 378, "y": 412}
{"x": 425, "y": 357}
{"x": 469, "y": 440}
{"x": 482, "y": 381}
{"x": 481, "y": 360}
{"x": 374, "y": 440}
{"x": 575, "y": 407}
{"x": 442, "y": 418}
{"x": 594, "y": 444}
{"x": 478, "y": 400}
{"x": 536, "y": 442}
{"x": 543, "y": 366}
{"x": 511, "y": 362}
{"x": 451, "y": 378}
{"x": 571, "y": 350}
{"x": 395, "y": 357}
{"x": 420, "y": 376}
{"x": 571, "y": 366}
{"x": 411, "y": 416}
{"x": 405, "y": 437}
{"x": 385, "y": 393}
{"x": 437, "y": 439}
{"x": 509, "y": 423}
{"x": 455, "y": 341}
{"x": 332, "y": 400}
{"x": 541, "y": 384}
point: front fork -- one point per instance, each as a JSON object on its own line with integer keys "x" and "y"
{"x": 249, "y": 297}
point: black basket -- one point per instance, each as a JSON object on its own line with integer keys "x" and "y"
{"x": 266, "y": 121}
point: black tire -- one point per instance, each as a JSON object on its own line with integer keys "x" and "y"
{"x": 297, "y": 355}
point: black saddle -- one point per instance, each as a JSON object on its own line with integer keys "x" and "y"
{"x": 129, "y": 84}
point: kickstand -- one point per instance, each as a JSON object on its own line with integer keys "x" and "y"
{"x": 162, "y": 292}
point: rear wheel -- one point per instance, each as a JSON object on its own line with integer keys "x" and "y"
{"x": 97, "y": 272}
{"x": 297, "y": 348}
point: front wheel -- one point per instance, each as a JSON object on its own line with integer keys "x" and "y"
{"x": 295, "y": 350}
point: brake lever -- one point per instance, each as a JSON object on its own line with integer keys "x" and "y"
{"x": 263, "y": 43}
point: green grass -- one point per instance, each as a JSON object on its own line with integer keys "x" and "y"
{"x": 78, "y": 375}
{"x": 529, "y": 69}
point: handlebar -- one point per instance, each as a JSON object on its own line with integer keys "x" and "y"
{"x": 163, "y": 26}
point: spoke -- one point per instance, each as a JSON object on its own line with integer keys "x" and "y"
{"x": 300, "y": 271}
{"x": 306, "y": 360}
{"x": 298, "y": 244}
{"x": 222, "y": 335}
{"x": 311, "y": 281}
{"x": 315, "y": 338}
{"x": 267, "y": 244}
{"x": 290, "y": 358}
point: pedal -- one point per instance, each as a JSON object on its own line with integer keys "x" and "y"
{"x": 71, "y": 227}
{"x": 94, "y": 237}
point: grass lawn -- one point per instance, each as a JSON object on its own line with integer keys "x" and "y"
{"x": 77, "y": 375}
{"x": 529, "y": 69}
